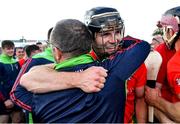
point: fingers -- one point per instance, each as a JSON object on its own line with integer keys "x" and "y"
{"x": 96, "y": 89}
{"x": 102, "y": 79}
{"x": 93, "y": 79}
{"x": 101, "y": 71}
{"x": 100, "y": 85}
{"x": 9, "y": 104}
{"x": 98, "y": 73}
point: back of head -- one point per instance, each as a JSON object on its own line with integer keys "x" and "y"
{"x": 39, "y": 43}
{"x": 71, "y": 36}
{"x": 103, "y": 18}
{"x": 7, "y": 44}
{"x": 171, "y": 26}
{"x": 30, "y": 49}
{"x": 49, "y": 33}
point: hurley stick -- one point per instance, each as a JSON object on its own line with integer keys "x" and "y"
{"x": 153, "y": 63}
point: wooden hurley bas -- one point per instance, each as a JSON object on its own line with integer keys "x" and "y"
{"x": 153, "y": 63}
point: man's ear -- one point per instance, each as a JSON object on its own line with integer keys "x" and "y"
{"x": 57, "y": 54}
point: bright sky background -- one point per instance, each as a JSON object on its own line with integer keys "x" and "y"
{"x": 33, "y": 18}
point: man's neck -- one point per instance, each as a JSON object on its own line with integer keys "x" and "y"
{"x": 73, "y": 61}
{"x": 65, "y": 56}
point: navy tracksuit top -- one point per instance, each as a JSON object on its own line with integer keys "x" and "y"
{"x": 9, "y": 69}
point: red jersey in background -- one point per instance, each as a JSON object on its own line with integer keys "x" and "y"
{"x": 162, "y": 75}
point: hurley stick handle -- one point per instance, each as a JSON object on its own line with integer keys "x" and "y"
{"x": 151, "y": 84}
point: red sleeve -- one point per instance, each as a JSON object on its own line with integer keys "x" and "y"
{"x": 173, "y": 69}
{"x": 21, "y": 62}
{"x": 141, "y": 76}
{"x": 166, "y": 55}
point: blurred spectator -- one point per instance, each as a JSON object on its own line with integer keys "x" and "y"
{"x": 40, "y": 45}
{"x": 157, "y": 39}
{"x": 9, "y": 69}
{"x": 32, "y": 50}
{"x": 157, "y": 36}
{"x": 159, "y": 30}
{"x": 20, "y": 55}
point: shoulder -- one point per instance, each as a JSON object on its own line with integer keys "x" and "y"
{"x": 141, "y": 69}
{"x": 173, "y": 63}
{"x": 129, "y": 38}
{"x": 162, "y": 48}
{"x": 129, "y": 41}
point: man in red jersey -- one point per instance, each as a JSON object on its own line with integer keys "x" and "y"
{"x": 173, "y": 72}
{"x": 162, "y": 82}
{"x": 173, "y": 67}
{"x": 136, "y": 108}
{"x": 135, "y": 103}
{"x": 166, "y": 102}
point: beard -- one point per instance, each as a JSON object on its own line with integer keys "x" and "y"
{"x": 106, "y": 50}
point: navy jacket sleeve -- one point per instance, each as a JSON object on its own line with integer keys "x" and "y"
{"x": 9, "y": 72}
{"x": 128, "y": 41}
{"x": 2, "y": 90}
{"x": 19, "y": 94}
{"x": 126, "y": 62}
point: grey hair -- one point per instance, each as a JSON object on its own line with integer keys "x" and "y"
{"x": 71, "y": 36}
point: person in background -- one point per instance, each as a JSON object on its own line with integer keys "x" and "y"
{"x": 135, "y": 102}
{"x": 165, "y": 98}
{"x": 157, "y": 36}
{"x": 31, "y": 50}
{"x": 101, "y": 49}
{"x": 40, "y": 45}
{"x": 156, "y": 40}
{"x": 20, "y": 55}
{"x": 9, "y": 69}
